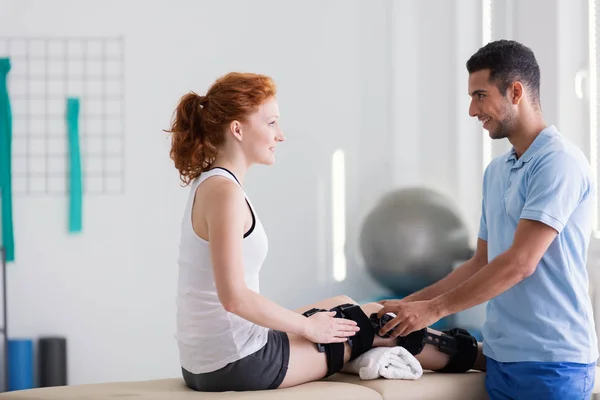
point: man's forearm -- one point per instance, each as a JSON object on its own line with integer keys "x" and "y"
{"x": 452, "y": 280}
{"x": 490, "y": 281}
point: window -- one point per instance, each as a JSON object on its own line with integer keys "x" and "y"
{"x": 338, "y": 210}
{"x": 486, "y": 30}
{"x": 592, "y": 76}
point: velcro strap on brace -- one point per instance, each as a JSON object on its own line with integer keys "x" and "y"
{"x": 334, "y": 352}
{"x": 414, "y": 342}
{"x": 465, "y": 353}
{"x": 335, "y": 357}
{"x": 362, "y": 341}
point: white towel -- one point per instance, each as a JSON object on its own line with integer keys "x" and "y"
{"x": 387, "y": 362}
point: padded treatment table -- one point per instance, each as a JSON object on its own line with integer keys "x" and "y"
{"x": 175, "y": 389}
{"x": 431, "y": 385}
{"x": 468, "y": 386}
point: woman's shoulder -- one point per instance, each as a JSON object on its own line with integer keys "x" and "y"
{"x": 219, "y": 191}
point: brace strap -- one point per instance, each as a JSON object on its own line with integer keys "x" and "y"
{"x": 362, "y": 341}
{"x": 334, "y": 352}
{"x": 465, "y": 353}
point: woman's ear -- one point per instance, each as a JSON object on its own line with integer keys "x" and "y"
{"x": 236, "y": 129}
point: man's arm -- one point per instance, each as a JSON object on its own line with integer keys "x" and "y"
{"x": 558, "y": 184}
{"x": 456, "y": 277}
{"x": 532, "y": 239}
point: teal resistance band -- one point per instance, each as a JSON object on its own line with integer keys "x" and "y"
{"x": 8, "y": 240}
{"x": 75, "y": 179}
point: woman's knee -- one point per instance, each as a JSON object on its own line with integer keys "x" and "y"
{"x": 370, "y": 308}
{"x": 328, "y": 303}
{"x": 342, "y": 299}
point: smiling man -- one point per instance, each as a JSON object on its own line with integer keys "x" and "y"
{"x": 530, "y": 263}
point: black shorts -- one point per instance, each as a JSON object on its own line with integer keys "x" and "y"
{"x": 264, "y": 369}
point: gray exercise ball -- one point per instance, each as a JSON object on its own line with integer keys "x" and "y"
{"x": 412, "y": 238}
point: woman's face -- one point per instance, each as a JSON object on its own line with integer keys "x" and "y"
{"x": 261, "y": 133}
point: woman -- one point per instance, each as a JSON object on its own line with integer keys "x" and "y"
{"x": 229, "y": 336}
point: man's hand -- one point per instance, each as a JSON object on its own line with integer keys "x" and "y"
{"x": 410, "y": 316}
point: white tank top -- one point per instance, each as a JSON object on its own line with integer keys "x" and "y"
{"x": 208, "y": 336}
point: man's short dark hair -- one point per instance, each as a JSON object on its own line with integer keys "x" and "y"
{"x": 508, "y": 61}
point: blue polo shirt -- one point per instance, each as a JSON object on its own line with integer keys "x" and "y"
{"x": 548, "y": 316}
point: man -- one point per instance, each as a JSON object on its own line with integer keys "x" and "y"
{"x": 530, "y": 261}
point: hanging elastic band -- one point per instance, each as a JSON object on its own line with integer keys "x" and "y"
{"x": 75, "y": 179}
{"x": 8, "y": 241}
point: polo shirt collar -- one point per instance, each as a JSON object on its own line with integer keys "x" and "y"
{"x": 538, "y": 143}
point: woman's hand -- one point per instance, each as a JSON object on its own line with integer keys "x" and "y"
{"x": 322, "y": 327}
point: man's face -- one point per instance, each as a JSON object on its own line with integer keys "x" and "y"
{"x": 491, "y": 107}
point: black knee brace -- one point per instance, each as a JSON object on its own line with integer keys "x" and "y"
{"x": 361, "y": 342}
{"x": 458, "y": 343}
{"x": 465, "y": 353}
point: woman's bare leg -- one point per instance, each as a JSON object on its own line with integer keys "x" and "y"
{"x": 307, "y": 364}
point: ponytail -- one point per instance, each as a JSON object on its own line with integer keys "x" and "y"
{"x": 189, "y": 151}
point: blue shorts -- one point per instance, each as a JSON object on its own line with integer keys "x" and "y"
{"x": 539, "y": 380}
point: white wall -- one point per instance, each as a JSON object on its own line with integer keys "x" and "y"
{"x": 376, "y": 79}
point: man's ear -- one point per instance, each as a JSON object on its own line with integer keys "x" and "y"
{"x": 516, "y": 92}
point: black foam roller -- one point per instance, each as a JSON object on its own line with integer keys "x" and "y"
{"x": 52, "y": 368}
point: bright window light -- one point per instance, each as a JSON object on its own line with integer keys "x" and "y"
{"x": 338, "y": 179}
{"x": 486, "y": 30}
{"x": 593, "y": 103}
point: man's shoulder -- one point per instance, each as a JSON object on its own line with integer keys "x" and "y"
{"x": 562, "y": 164}
{"x": 561, "y": 157}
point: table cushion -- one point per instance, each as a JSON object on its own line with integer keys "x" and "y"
{"x": 175, "y": 389}
{"x": 431, "y": 385}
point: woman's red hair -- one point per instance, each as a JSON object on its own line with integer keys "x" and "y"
{"x": 200, "y": 122}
